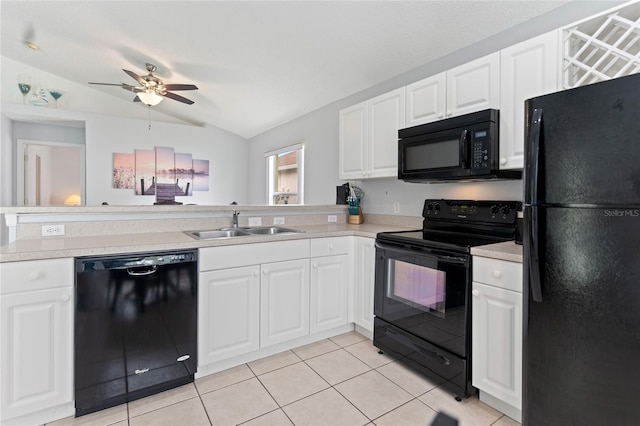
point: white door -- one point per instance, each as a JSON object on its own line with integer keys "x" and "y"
{"x": 426, "y": 100}
{"x": 37, "y": 351}
{"x": 229, "y": 313}
{"x": 329, "y": 292}
{"x": 528, "y": 69}
{"x": 497, "y": 343}
{"x": 353, "y": 141}
{"x": 365, "y": 280}
{"x": 386, "y": 117}
{"x": 284, "y": 301}
{"x": 474, "y": 86}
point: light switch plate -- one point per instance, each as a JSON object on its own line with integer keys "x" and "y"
{"x": 332, "y": 218}
{"x": 255, "y": 221}
{"x": 278, "y": 220}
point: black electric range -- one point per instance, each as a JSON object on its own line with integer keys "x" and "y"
{"x": 423, "y": 286}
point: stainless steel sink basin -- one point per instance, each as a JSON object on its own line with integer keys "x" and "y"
{"x": 240, "y": 232}
{"x": 272, "y": 230}
{"x": 218, "y": 233}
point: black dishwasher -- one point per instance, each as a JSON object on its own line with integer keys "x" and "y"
{"x": 135, "y": 326}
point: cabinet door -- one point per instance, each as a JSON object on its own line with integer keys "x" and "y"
{"x": 228, "y": 313}
{"x": 497, "y": 343}
{"x": 386, "y": 117}
{"x": 474, "y": 86}
{"x": 353, "y": 140}
{"x": 329, "y": 292}
{"x": 37, "y": 351}
{"x": 528, "y": 69}
{"x": 365, "y": 279}
{"x": 426, "y": 100}
{"x": 284, "y": 301}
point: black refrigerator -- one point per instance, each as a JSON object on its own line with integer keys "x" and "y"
{"x": 581, "y": 362}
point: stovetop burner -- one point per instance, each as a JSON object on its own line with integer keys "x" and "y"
{"x": 459, "y": 225}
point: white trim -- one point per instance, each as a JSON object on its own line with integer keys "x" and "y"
{"x": 284, "y": 149}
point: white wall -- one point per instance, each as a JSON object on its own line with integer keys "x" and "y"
{"x": 225, "y": 151}
{"x": 319, "y": 131}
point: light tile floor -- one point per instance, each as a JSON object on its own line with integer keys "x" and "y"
{"x": 337, "y": 381}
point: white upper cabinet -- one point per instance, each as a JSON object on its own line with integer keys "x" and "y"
{"x": 471, "y": 87}
{"x": 369, "y": 137}
{"x": 353, "y": 141}
{"x": 528, "y": 69}
{"x": 474, "y": 86}
{"x": 426, "y": 100}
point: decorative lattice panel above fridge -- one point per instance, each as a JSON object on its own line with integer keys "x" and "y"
{"x": 602, "y": 47}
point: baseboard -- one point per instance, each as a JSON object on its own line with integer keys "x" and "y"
{"x": 503, "y": 407}
{"x": 41, "y": 417}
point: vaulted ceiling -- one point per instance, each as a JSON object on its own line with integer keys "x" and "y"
{"x": 257, "y": 64}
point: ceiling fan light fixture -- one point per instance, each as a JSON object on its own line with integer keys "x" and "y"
{"x": 149, "y": 97}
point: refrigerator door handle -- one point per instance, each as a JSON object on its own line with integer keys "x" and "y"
{"x": 534, "y": 157}
{"x": 535, "y": 282}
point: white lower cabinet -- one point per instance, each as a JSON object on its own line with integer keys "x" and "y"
{"x": 364, "y": 282}
{"x": 330, "y": 273}
{"x": 284, "y": 297}
{"x": 229, "y": 313}
{"x": 36, "y": 339}
{"x": 251, "y": 296}
{"x": 497, "y": 333}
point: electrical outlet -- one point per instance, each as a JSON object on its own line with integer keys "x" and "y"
{"x": 51, "y": 230}
{"x": 255, "y": 221}
{"x": 332, "y": 218}
{"x": 278, "y": 220}
{"x": 396, "y": 207}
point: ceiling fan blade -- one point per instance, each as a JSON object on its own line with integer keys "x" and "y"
{"x": 174, "y": 87}
{"x": 131, "y": 88}
{"x": 136, "y": 99}
{"x": 178, "y": 98}
{"x": 108, "y": 84}
{"x": 135, "y": 76}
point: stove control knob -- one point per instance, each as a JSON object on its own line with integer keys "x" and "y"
{"x": 494, "y": 209}
{"x": 436, "y": 207}
{"x": 505, "y": 209}
{"x": 429, "y": 206}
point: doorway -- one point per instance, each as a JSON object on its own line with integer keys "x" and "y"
{"x": 50, "y": 173}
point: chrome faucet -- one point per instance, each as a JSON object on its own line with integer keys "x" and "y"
{"x": 235, "y": 218}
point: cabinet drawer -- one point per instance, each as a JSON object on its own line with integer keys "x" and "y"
{"x": 498, "y": 273}
{"x": 35, "y": 275}
{"x": 212, "y": 258}
{"x": 329, "y": 246}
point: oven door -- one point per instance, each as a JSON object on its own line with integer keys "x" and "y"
{"x": 424, "y": 293}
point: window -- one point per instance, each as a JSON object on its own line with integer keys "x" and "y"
{"x": 285, "y": 175}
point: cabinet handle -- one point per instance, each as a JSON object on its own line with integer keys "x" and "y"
{"x": 475, "y": 293}
{"x": 33, "y": 275}
{"x": 449, "y": 114}
{"x": 256, "y": 273}
{"x": 440, "y": 115}
{"x": 265, "y": 272}
{"x": 65, "y": 298}
{"x": 330, "y": 246}
{"x": 315, "y": 265}
{"x": 496, "y": 274}
{"x": 503, "y": 161}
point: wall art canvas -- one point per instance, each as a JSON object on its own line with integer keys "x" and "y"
{"x": 184, "y": 174}
{"x": 145, "y": 171}
{"x": 200, "y": 175}
{"x": 165, "y": 175}
{"x": 123, "y": 170}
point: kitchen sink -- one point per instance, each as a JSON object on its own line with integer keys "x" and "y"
{"x": 218, "y": 233}
{"x": 240, "y": 232}
{"x": 272, "y": 230}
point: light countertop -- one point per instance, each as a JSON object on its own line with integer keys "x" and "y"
{"x": 504, "y": 251}
{"x": 60, "y": 247}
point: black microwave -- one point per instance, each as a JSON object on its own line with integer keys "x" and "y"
{"x": 458, "y": 148}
